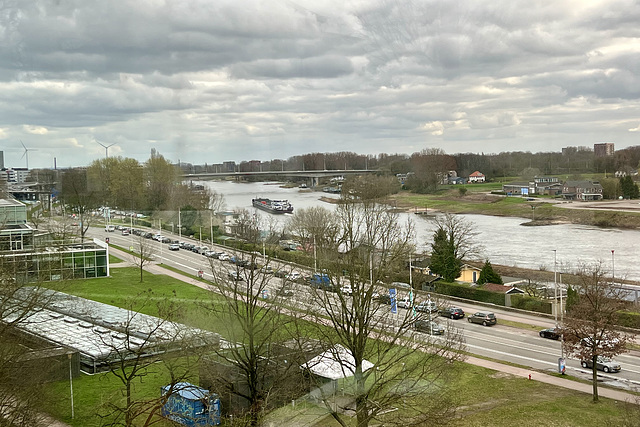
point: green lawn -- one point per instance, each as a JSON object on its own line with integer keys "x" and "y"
{"x": 484, "y": 397}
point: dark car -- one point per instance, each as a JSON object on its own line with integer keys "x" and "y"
{"x": 384, "y": 299}
{"x": 432, "y": 328}
{"x": 452, "y": 312}
{"x": 483, "y": 318}
{"x": 166, "y": 240}
{"x": 603, "y": 364}
{"x": 551, "y": 333}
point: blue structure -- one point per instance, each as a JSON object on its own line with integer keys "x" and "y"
{"x": 191, "y": 405}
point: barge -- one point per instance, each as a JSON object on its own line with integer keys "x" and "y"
{"x": 273, "y": 206}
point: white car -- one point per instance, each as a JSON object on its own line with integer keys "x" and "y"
{"x": 224, "y": 257}
{"x": 234, "y": 275}
{"x": 404, "y": 302}
{"x": 346, "y": 289}
{"x": 294, "y": 275}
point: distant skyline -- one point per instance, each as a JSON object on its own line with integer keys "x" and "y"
{"x": 211, "y": 81}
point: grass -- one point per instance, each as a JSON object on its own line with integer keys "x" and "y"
{"x": 484, "y": 397}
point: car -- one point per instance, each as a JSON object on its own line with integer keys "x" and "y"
{"x": 284, "y": 292}
{"x": 551, "y": 333}
{"x": 427, "y": 307}
{"x": 174, "y": 247}
{"x": 432, "y": 328}
{"x": 483, "y": 318}
{"x": 404, "y": 302}
{"x": 166, "y": 240}
{"x": 234, "y": 275}
{"x": 195, "y": 249}
{"x": 266, "y": 269}
{"x": 400, "y": 285}
{"x": 209, "y": 254}
{"x": 203, "y": 250}
{"x": 125, "y": 232}
{"x": 294, "y": 275}
{"x": 224, "y": 257}
{"x": 383, "y": 299}
{"x": 451, "y": 312}
{"x": 602, "y": 363}
{"x": 346, "y": 289}
{"x": 281, "y": 273}
{"x": 148, "y": 235}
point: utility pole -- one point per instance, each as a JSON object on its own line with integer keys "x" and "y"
{"x": 555, "y": 284}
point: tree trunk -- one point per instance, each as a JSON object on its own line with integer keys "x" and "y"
{"x": 362, "y": 415}
{"x": 594, "y": 379}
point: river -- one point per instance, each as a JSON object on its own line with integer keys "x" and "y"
{"x": 504, "y": 240}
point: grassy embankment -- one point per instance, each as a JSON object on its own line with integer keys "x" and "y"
{"x": 477, "y": 200}
{"x": 484, "y": 397}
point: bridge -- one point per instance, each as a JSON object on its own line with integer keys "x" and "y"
{"x": 313, "y": 175}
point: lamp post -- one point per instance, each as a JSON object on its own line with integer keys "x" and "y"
{"x": 613, "y": 267}
{"x": 555, "y": 284}
{"x": 71, "y": 384}
{"x": 533, "y": 208}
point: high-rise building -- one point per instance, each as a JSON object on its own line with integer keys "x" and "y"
{"x": 604, "y": 149}
{"x": 1, "y": 159}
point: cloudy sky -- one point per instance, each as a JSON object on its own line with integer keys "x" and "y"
{"x": 206, "y": 81}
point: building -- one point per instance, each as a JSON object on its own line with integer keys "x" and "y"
{"x": 32, "y": 255}
{"x": 477, "y": 177}
{"x": 582, "y": 190}
{"x": 16, "y": 174}
{"x": 604, "y": 149}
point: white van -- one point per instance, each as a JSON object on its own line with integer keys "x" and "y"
{"x": 110, "y": 228}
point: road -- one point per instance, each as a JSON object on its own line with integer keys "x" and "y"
{"x": 499, "y": 342}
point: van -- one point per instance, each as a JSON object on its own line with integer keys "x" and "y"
{"x": 110, "y": 228}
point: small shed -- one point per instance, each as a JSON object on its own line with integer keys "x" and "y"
{"x": 191, "y": 405}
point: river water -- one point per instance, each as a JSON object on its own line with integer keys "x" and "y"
{"x": 504, "y": 240}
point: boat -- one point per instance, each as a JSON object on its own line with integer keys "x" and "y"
{"x": 273, "y": 206}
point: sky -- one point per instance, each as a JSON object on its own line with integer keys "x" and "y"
{"x": 208, "y": 81}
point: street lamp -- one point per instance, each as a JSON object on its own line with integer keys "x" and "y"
{"x": 533, "y": 208}
{"x": 555, "y": 284}
{"x": 613, "y": 267}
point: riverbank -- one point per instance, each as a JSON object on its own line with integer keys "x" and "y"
{"x": 540, "y": 211}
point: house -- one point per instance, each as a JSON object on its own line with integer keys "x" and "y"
{"x": 469, "y": 274}
{"x": 503, "y": 289}
{"x": 518, "y": 188}
{"x": 477, "y": 177}
{"x": 582, "y": 190}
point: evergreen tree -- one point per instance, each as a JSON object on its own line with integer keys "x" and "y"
{"x": 488, "y": 275}
{"x": 443, "y": 257}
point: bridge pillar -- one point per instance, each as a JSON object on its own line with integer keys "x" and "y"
{"x": 314, "y": 182}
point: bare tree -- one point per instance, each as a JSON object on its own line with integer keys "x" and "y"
{"x": 143, "y": 254}
{"x": 373, "y": 245}
{"x": 144, "y": 346}
{"x": 21, "y": 383}
{"x": 255, "y": 369}
{"x": 314, "y": 226}
{"x": 80, "y": 196}
{"x": 590, "y": 328}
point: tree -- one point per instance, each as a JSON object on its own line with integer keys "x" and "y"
{"x": 590, "y": 328}
{"x": 146, "y": 345}
{"x": 161, "y": 177}
{"x": 22, "y": 380}
{"x": 453, "y": 241}
{"x": 256, "y": 369}
{"x": 80, "y": 196}
{"x": 143, "y": 254}
{"x": 372, "y": 246}
{"x": 488, "y": 275}
{"x": 313, "y": 226}
{"x": 628, "y": 188}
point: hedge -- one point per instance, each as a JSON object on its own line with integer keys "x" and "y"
{"x": 467, "y": 292}
{"x": 525, "y": 302}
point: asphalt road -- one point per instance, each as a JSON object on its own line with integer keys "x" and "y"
{"x": 499, "y": 342}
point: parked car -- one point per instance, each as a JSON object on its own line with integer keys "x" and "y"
{"x": 281, "y": 273}
{"x": 174, "y": 247}
{"x": 166, "y": 240}
{"x": 383, "y": 299}
{"x": 432, "y": 328}
{"x": 346, "y": 289}
{"x": 404, "y": 302}
{"x": 551, "y": 333}
{"x": 284, "y": 292}
{"x": 451, "y": 312}
{"x": 266, "y": 269}
{"x": 400, "y": 285}
{"x": 224, "y": 257}
{"x": 602, "y": 363}
{"x": 427, "y": 307}
{"x": 294, "y": 275}
{"x": 483, "y": 318}
{"x": 125, "y": 232}
{"x": 234, "y": 275}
